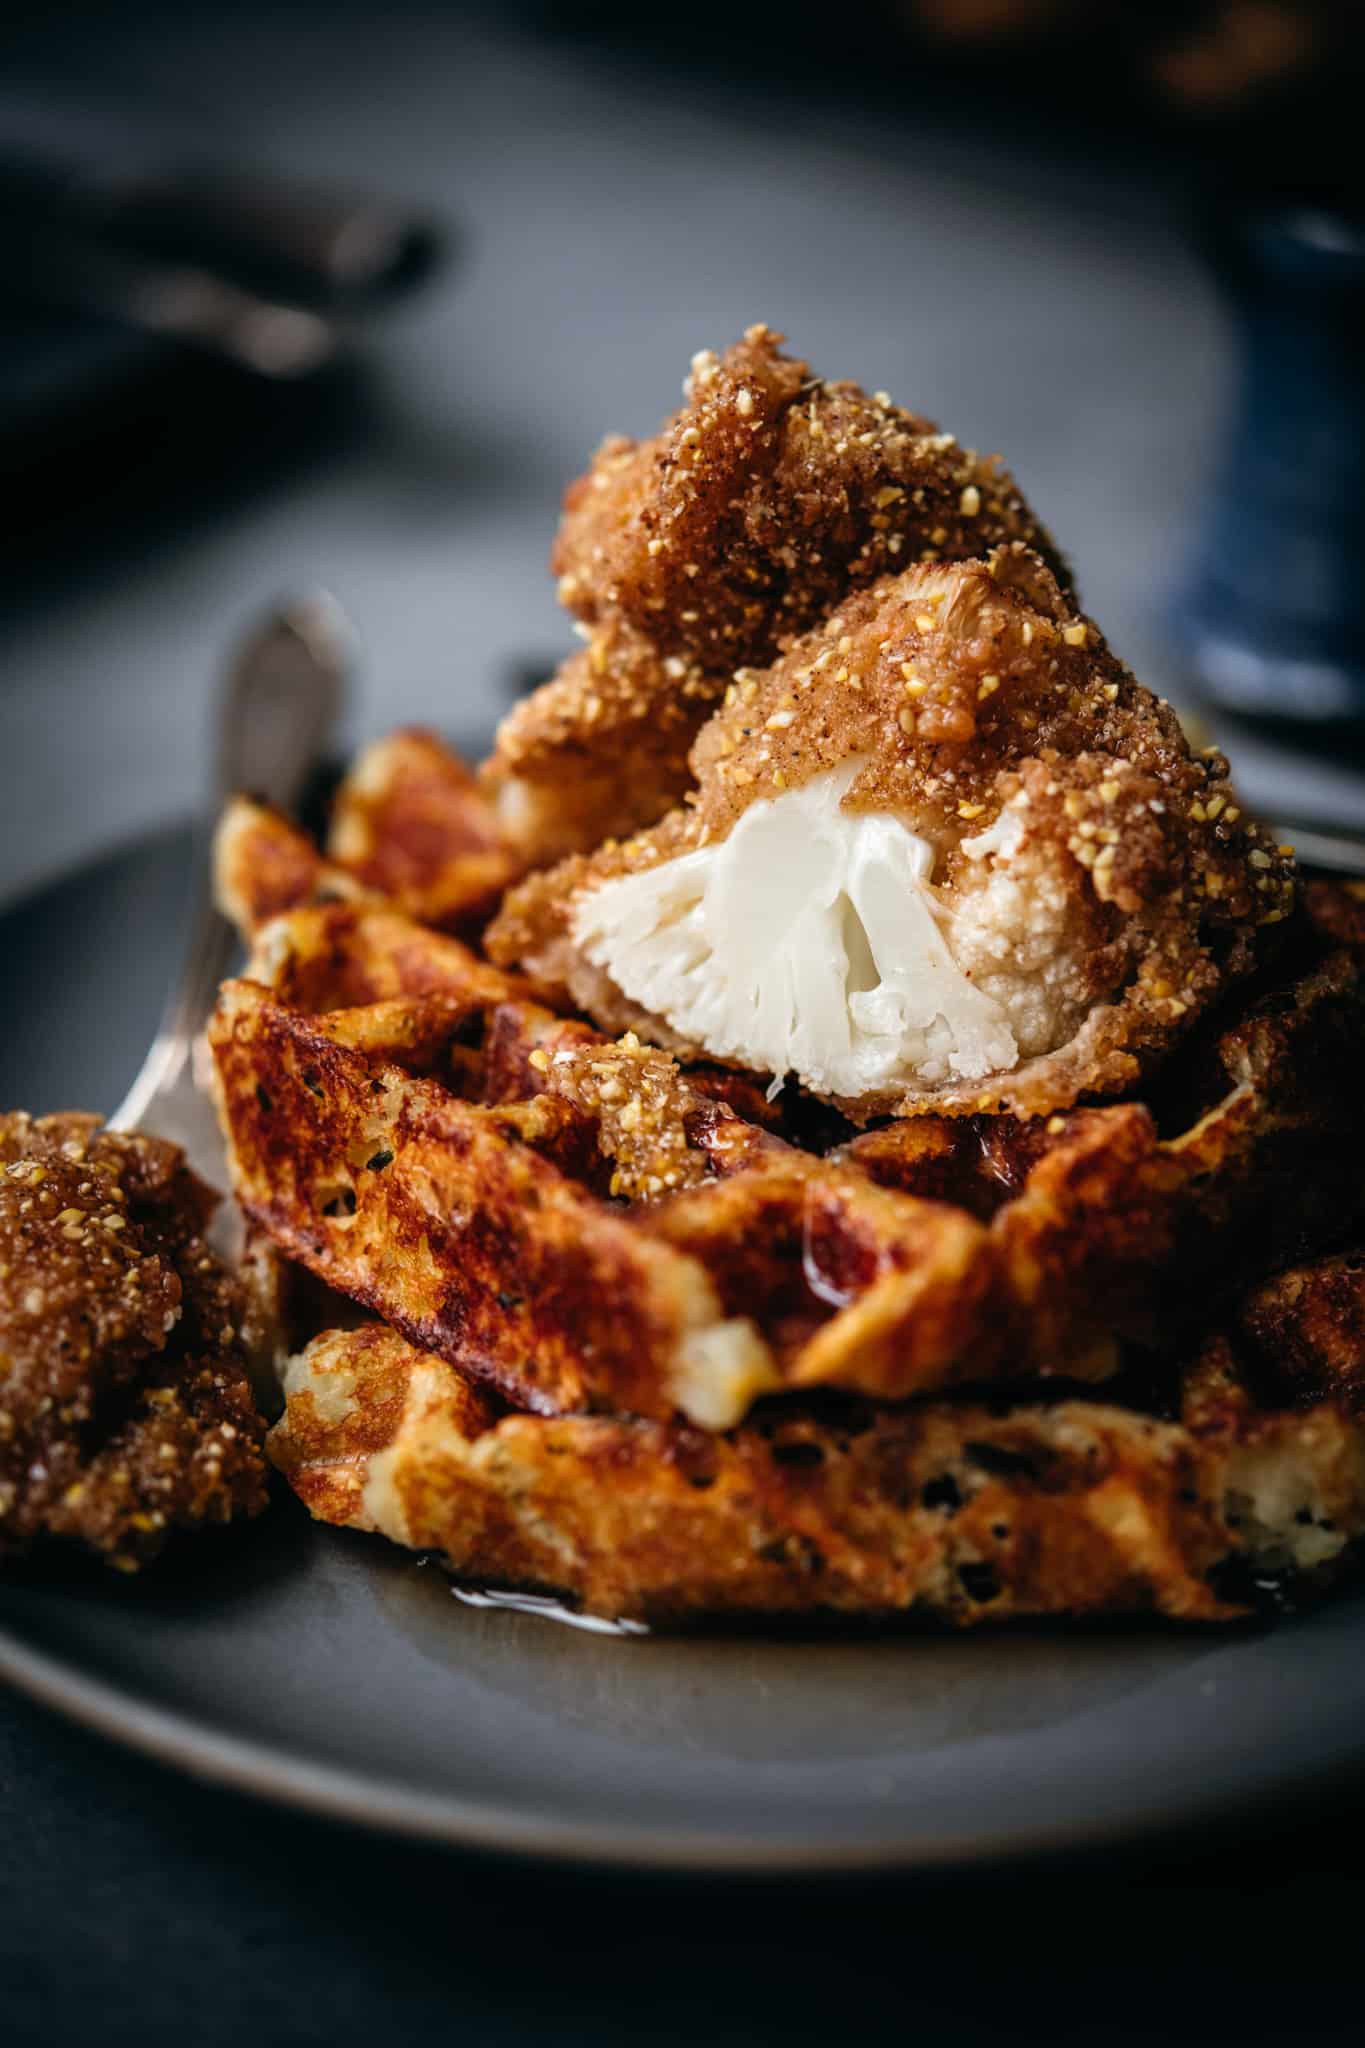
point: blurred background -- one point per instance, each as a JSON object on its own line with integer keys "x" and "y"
{"x": 343, "y": 296}
{"x": 1114, "y": 243}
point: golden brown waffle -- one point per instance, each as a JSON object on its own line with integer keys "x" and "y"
{"x": 409, "y": 827}
{"x": 583, "y": 1226}
{"x": 566, "y": 1293}
{"x": 947, "y": 1508}
{"x": 409, "y": 822}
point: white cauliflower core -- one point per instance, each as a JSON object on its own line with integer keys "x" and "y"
{"x": 807, "y": 942}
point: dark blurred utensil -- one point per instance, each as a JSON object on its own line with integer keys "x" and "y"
{"x": 346, "y": 252}
{"x": 1272, "y": 619}
{"x": 339, "y": 252}
{"x": 73, "y": 272}
{"x": 106, "y": 214}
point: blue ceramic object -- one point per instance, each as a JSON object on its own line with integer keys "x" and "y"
{"x": 1272, "y": 620}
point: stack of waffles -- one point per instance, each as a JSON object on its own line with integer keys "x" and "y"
{"x": 590, "y": 1317}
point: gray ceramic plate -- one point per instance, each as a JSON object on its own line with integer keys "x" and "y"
{"x": 326, "y": 1669}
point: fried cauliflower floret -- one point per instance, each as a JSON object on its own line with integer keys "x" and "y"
{"x": 755, "y": 510}
{"x": 944, "y": 853}
{"x": 602, "y": 747}
{"x": 806, "y": 941}
{"x": 763, "y": 500}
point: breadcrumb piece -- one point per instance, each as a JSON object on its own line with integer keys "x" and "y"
{"x": 639, "y": 1102}
{"x": 125, "y": 1409}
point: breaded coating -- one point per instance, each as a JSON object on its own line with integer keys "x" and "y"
{"x": 951, "y": 1509}
{"x": 1305, "y": 1328}
{"x": 601, "y": 748}
{"x": 641, "y": 1105}
{"x": 1338, "y": 908}
{"x": 755, "y": 510}
{"x": 409, "y": 828}
{"x": 584, "y": 1225}
{"x": 764, "y": 500}
{"x": 125, "y": 1409}
{"x": 1093, "y": 884}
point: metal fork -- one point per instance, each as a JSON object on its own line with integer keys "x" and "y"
{"x": 280, "y": 701}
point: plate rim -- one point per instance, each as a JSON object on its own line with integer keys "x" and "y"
{"x": 275, "y": 1773}
{"x": 282, "y": 1778}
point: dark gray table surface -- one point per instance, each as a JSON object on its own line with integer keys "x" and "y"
{"x": 134, "y": 1908}
{"x": 615, "y": 221}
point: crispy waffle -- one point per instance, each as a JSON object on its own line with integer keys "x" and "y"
{"x": 409, "y": 827}
{"x": 952, "y": 1509}
{"x": 582, "y": 1225}
{"x": 410, "y": 823}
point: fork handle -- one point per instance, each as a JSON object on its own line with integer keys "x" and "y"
{"x": 279, "y": 703}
